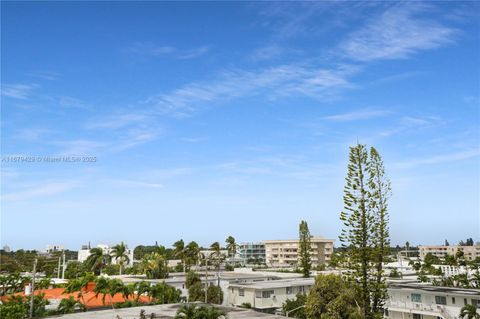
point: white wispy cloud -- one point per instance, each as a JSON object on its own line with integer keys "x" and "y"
{"x": 80, "y": 147}
{"x": 357, "y": 115}
{"x": 272, "y": 83}
{"x": 397, "y": 33}
{"x": 151, "y": 49}
{"x": 17, "y": 91}
{"x": 32, "y": 134}
{"x": 439, "y": 159}
{"x": 116, "y": 121}
{"x": 134, "y": 183}
{"x": 40, "y": 190}
{"x": 409, "y": 123}
{"x": 45, "y": 75}
{"x": 267, "y": 52}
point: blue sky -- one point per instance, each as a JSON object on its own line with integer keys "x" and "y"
{"x": 216, "y": 118}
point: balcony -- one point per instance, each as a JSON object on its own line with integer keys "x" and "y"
{"x": 419, "y": 308}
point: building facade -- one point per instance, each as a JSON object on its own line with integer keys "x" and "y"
{"x": 416, "y": 301}
{"x": 85, "y": 252}
{"x": 469, "y": 252}
{"x": 267, "y": 295}
{"x": 251, "y": 252}
{"x": 284, "y": 253}
{"x": 54, "y": 248}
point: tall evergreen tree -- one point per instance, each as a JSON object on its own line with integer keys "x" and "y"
{"x": 305, "y": 260}
{"x": 380, "y": 191}
{"x": 365, "y": 236}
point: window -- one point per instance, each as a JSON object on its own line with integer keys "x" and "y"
{"x": 417, "y": 316}
{"x": 289, "y": 290}
{"x": 258, "y": 294}
{"x": 440, "y": 300}
{"x": 241, "y": 292}
{"x": 416, "y": 298}
{"x": 465, "y": 302}
{"x": 267, "y": 293}
{"x": 453, "y": 300}
{"x": 301, "y": 289}
{"x": 386, "y": 312}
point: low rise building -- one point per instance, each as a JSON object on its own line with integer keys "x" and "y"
{"x": 440, "y": 251}
{"x": 267, "y": 295}
{"x": 421, "y": 301}
{"x": 85, "y": 252}
{"x": 54, "y": 248}
{"x": 284, "y": 253}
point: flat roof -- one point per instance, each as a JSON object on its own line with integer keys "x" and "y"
{"x": 430, "y": 288}
{"x": 165, "y": 312}
{"x": 312, "y": 239}
{"x": 281, "y": 283}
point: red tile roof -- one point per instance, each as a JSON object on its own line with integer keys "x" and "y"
{"x": 89, "y": 297}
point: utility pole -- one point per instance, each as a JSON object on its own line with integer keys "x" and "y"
{"x": 59, "y": 265}
{"x": 63, "y": 268}
{"x": 32, "y": 291}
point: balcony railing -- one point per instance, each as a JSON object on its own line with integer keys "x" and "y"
{"x": 411, "y": 307}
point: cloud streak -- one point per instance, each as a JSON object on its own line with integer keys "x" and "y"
{"x": 17, "y": 91}
{"x": 440, "y": 159}
{"x": 43, "y": 190}
{"x": 154, "y": 50}
{"x": 397, "y": 33}
{"x": 275, "y": 82}
{"x": 356, "y": 115}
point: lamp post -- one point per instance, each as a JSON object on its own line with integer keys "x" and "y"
{"x": 288, "y": 312}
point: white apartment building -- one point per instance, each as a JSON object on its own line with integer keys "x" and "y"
{"x": 284, "y": 253}
{"x": 421, "y": 301}
{"x": 469, "y": 252}
{"x": 267, "y": 295}
{"x": 54, "y": 248}
{"x": 85, "y": 252}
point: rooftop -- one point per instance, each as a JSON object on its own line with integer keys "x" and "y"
{"x": 437, "y": 289}
{"x": 163, "y": 312}
{"x": 271, "y": 284}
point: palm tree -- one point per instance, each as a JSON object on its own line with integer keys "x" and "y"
{"x": 102, "y": 285}
{"x": 70, "y": 305}
{"x": 179, "y": 251}
{"x": 469, "y": 312}
{"x": 188, "y": 311}
{"x": 141, "y": 287}
{"x": 79, "y": 285}
{"x": 115, "y": 286}
{"x": 205, "y": 312}
{"x": 192, "y": 251}
{"x": 97, "y": 259}
{"x": 231, "y": 246}
{"x": 119, "y": 253}
{"x": 192, "y": 311}
{"x": 216, "y": 256}
{"x": 154, "y": 266}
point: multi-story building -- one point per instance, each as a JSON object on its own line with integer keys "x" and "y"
{"x": 251, "y": 252}
{"x": 469, "y": 252}
{"x": 85, "y": 252}
{"x": 420, "y": 301}
{"x": 281, "y": 253}
{"x": 267, "y": 295}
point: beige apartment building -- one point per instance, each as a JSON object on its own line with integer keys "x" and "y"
{"x": 284, "y": 253}
{"x": 469, "y": 252}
